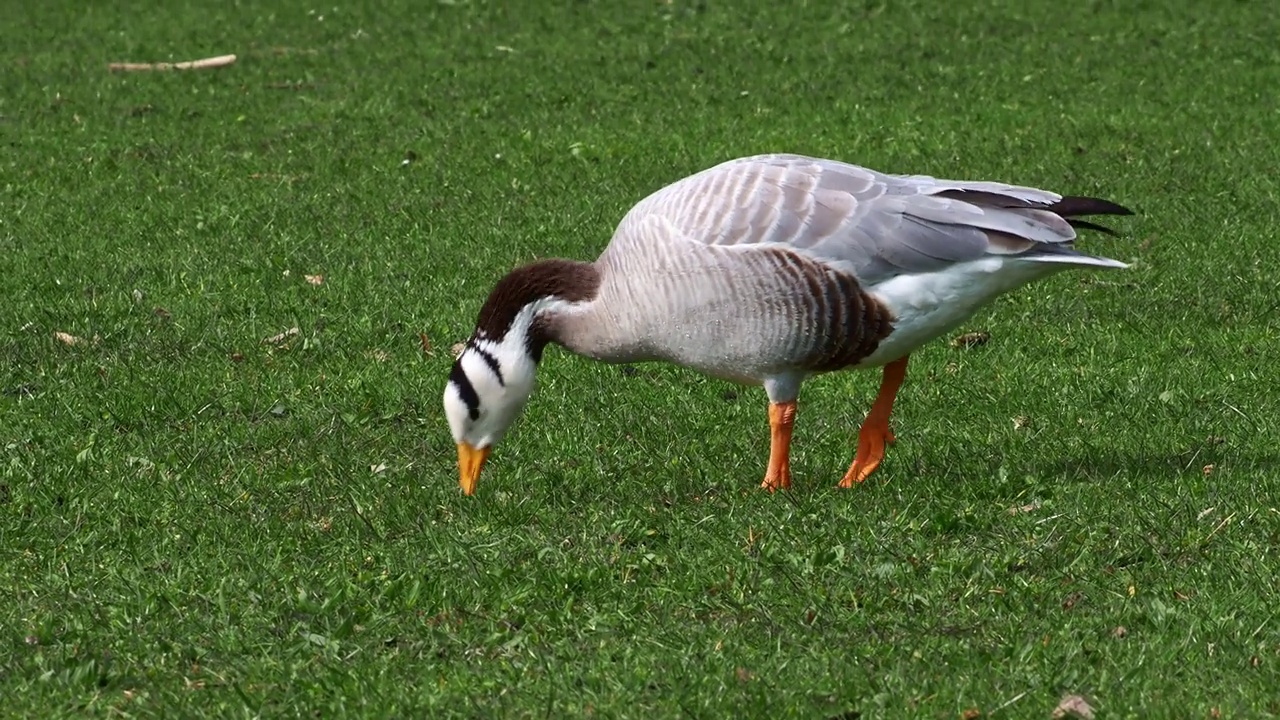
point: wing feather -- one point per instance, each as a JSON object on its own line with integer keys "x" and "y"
{"x": 873, "y": 224}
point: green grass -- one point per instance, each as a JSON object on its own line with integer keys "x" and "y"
{"x": 195, "y": 522}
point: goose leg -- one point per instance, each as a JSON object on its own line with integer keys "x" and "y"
{"x": 782, "y": 417}
{"x": 875, "y": 433}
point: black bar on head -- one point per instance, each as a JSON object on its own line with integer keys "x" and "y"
{"x": 466, "y": 391}
{"x": 491, "y": 361}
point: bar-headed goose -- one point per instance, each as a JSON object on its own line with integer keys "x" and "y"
{"x": 769, "y": 270}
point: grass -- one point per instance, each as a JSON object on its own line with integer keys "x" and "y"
{"x": 194, "y": 522}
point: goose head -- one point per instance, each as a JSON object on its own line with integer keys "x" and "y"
{"x": 496, "y": 373}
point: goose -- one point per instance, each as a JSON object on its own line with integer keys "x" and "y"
{"x": 768, "y": 270}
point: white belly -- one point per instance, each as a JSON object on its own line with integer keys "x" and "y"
{"x": 930, "y": 305}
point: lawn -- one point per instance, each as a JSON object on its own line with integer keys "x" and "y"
{"x": 226, "y": 483}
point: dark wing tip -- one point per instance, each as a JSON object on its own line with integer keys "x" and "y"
{"x": 1073, "y": 205}
{"x": 1086, "y": 225}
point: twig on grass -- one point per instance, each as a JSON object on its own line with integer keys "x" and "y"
{"x": 201, "y": 64}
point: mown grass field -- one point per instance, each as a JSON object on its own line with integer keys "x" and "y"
{"x": 197, "y": 521}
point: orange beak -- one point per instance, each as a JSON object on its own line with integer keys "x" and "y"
{"x": 470, "y": 463}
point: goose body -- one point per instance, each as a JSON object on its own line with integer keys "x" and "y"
{"x": 769, "y": 270}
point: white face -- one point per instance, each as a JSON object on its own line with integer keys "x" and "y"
{"x": 487, "y": 390}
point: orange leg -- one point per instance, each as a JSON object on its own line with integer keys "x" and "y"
{"x": 875, "y": 432}
{"x": 782, "y": 417}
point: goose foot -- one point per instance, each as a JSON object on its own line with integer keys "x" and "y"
{"x": 875, "y": 434}
{"x": 782, "y": 417}
{"x": 872, "y": 442}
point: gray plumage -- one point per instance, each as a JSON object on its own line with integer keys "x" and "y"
{"x": 749, "y": 270}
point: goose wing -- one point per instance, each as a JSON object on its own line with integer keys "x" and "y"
{"x": 872, "y": 224}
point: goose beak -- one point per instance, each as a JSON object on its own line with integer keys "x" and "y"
{"x": 470, "y": 463}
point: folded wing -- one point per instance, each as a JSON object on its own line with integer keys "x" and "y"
{"x": 872, "y": 224}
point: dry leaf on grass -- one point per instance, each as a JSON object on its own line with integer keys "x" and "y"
{"x": 971, "y": 714}
{"x": 67, "y": 338}
{"x": 1073, "y": 706}
{"x": 426, "y": 343}
{"x": 71, "y": 340}
{"x": 282, "y": 337}
{"x": 1029, "y": 507}
{"x": 971, "y": 339}
{"x": 314, "y": 279}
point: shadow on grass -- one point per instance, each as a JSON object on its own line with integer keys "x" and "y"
{"x": 1108, "y": 464}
